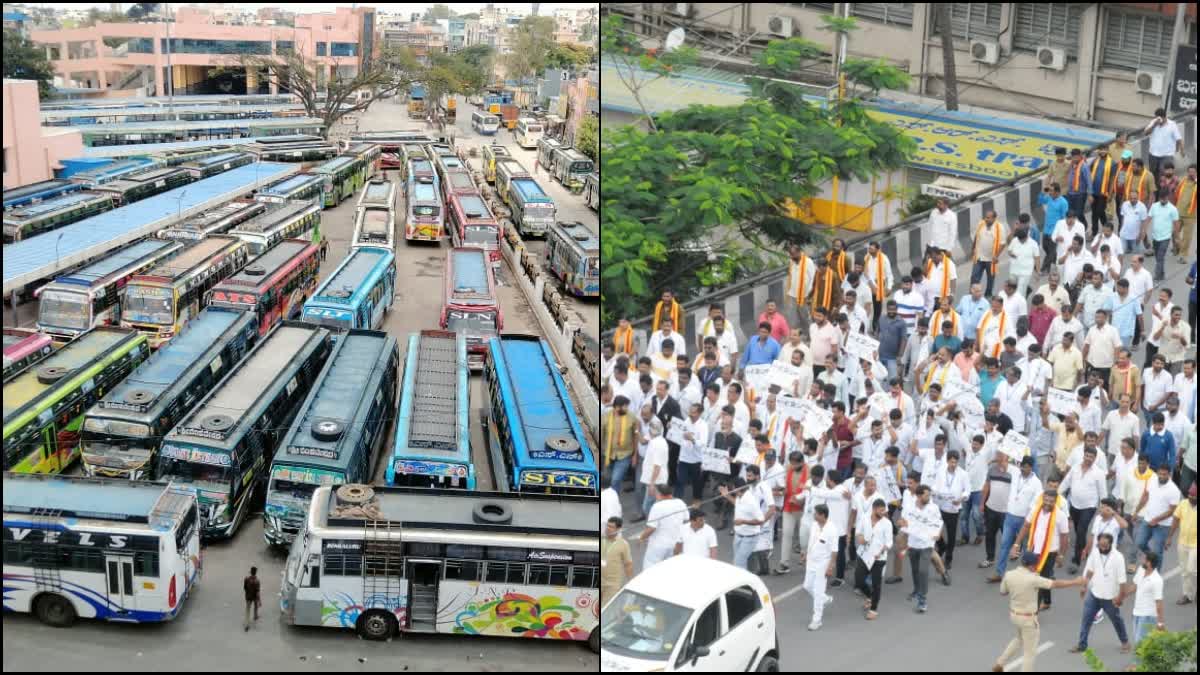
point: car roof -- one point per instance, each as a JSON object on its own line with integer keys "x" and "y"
{"x": 691, "y": 581}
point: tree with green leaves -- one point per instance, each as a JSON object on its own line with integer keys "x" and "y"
{"x": 438, "y": 12}
{"x": 23, "y": 60}
{"x": 587, "y": 140}
{"x": 568, "y": 56}
{"x": 694, "y": 198}
{"x": 531, "y": 45}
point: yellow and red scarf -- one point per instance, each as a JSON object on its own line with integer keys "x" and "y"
{"x": 937, "y": 321}
{"x": 1141, "y": 189}
{"x": 1078, "y": 171}
{"x": 803, "y": 267}
{"x": 880, "y": 279}
{"x": 945, "y": 274}
{"x": 620, "y": 435}
{"x": 624, "y": 339}
{"x": 1191, "y": 207}
{"x": 827, "y": 282}
{"x": 674, "y": 314}
{"x": 1107, "y": 169}
{"x": 995, "y": 243}
{"x": 1036, "y": 509}
{"x": 929, "y": 377}
{"x": 983, "y": 326}
{"x": 840, "y": 266}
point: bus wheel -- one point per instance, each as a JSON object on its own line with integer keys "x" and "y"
{"x": 376, "y": 624}
{"x": 55, "y": 610}
{"x": 594, "y": 640}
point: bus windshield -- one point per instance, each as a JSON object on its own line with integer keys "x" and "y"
{"x": 582, "y": 166}
{"x": 480, "y": 234}
{"x": 421, "y": 210}
{"x": 150, "y": 305}
{"x": 472, "y": 323}
{"x": 593, "y": 266}
{"x": 64, "y": 309}
{"x": 290, "y": 493}
{"x": 209, "y": 476}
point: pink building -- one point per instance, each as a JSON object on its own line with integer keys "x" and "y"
{"x": 31, "y": 151}
{"x": 118, "y": 57}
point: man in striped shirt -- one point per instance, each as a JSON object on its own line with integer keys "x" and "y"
{"x": 909, "y": 303}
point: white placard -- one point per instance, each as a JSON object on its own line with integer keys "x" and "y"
{"x": 746, "y": 454}
{"x": 790, "y": 407}
{"x": 1015, "y": 445}
{"x": 1062, "y": 401}
{"x": 817, "y": 420}
{"x": 757, "y": 377}
{"x": 861, "y": 346}
{"x": 784, "y": 375}
{"x": 881, "y": 404}
{"x": 955, "y": 389}
{"x": 714, "y": 459}
{"x": 675, "y": 431}
{"x": 972, "y": 413}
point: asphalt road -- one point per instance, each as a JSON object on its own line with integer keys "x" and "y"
{"x": 967, "y": 625}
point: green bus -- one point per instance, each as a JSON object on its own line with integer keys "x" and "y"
{"x": 343, "y": 175}
{"x": 26, "y": 221}
{"x": 44, "y": 405}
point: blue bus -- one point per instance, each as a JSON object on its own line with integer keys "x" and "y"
{"x": 36, "y": 192}
{"x": 338, "y": 434}
{"x": 531, "y": 423}
{"x": 433, "y": 434}
{"x": 358, "y": 293}
{"x": 224, "y": 446}
{"x": 122, "y": 432}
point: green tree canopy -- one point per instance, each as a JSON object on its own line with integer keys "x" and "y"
{"x": 588, "y": 138}
{"x": 23, "y": 60}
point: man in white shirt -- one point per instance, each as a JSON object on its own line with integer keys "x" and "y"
{"x": 951, "y": 488}
{"x": 1120, "y": 424}
{"x": 1107, "y": 236}
{"x": 1105, "y": 574}
{"x": 1014, "y": 302}
{"x": 727, "y": 341}
{"x": 1159, "y": 312}
{"x": 698, "y": 538}
{"x": 1065, "y": 322}
{"x": 1094, "y": 297}
{"x": 943, "y": 226}
{"x": 1035, "y": 374}
{"x": 1091, "y": 418}
{"x": 1071, "y": 262}
{"x": 654, "y": 465}
{"x": 610, "y": 501}
{"x": 691, "y": 454}
{"x": 667, "y": 332}
{"x": 995, "y": 325}
{"x": 666, "y": 519}
{"x": 822, "y": 547}
{"x": 1185, "y": 384}
{"x": 1148, "y": 603}
{"x": 1053, "y": 293}
{"x": 921, "y": 521}
{"x": 1157, "y": 385}
{"x": 1013, "y": 395}
{"x": 1025, "y": 486}
{"x": 1065, "y": 232}
{"x": 873, "y": 538}
{"x": 1154, "y": 512}
{"x": 749, "y": 513}
{"x": 1165, "y": 140}
{"x": 860, "y": 321}
{"x": 1086, "y": 484}
{"x": 878, "y": 271}
{"x": 1101, "y": 345}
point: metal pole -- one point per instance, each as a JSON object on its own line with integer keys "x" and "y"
{"x": 170, "y": 71}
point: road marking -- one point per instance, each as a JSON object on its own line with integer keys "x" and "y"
{"x": 788, "y": 593}
{"x": 1017, "y": 664}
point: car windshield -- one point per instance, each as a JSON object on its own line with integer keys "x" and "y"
{"x": 642, "y": 627}
{"x": 148, "y": 304}
{"x": 63, "y": 309}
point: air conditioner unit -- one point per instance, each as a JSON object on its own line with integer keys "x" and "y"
{"x": 1149, "y": 82}
{"x": 680, "y": 8}
{"x": 1052, "y": 58}
{"x": 985, "y": 52}
{"x": 781, "y": 26}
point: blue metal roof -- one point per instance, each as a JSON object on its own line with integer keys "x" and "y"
{"x": 351, "y": 275}
{"x": 474, "y": 204}
{"x": 470, "y": 273}
{"x": 123, "y": 500}
{"x": 291, "y": 183}
{"x": 37, "y": 257}
{"x": 424, "y": 192}
{"x": 52, "y": 204}
{"x": 529, "y": 190}
{"x": 152, "y": 148}
{"x": 118, "y": 260}
{"x": 192, "y": 125}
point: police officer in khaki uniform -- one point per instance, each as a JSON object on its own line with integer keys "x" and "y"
{"x": 1021, "y": 585}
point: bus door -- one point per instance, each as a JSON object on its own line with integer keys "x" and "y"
{"x": 423, "y": 575}
{"x": 49, "y": 459}
{"x": 119, "y": 570}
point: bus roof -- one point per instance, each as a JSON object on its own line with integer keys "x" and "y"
{"x": 529, "y": 190}
{"x": 202, "y": 221}
{"x": 421, "y": 165}
{"x": 578, "y": 237}
{"x": 145, "y": 386}
{"x": 433, "y": 398}
{"x": 342, "y": 392}
{"x": 540, "y": 402}
{"x": 94, "y": 498}
{"x": 24, "y": 389}
{"x": 291, "y": 183}
{"x": 379, "y": 191}
{"x": 470, "y": 282}
{"x": 191, "y": 257}
{"x": 96, "y": 274}
{"x": 474, "y": 207}
{"x": 424, "y": 192}
{"x": 221, "y": 158}
{"x": 39, "y": 209}
{"x": 275, "y": 217}
{"x": 25, "y": 191}
{"x": 271, "y": 261}
{"x": 459, "y": 180}
{"x": 351, "y": 275}
{"x": 174, "y": 126}
{"x": 111, "y": 170}
{"x": 429, "y": 508}
{"x": 334, "y": 165}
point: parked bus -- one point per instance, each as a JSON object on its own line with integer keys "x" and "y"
{"x": 529, "y": 131}
{"x": 415, "y": 150}
{"x": 424, "y": 218}
{"x": 215, "y": 164}
{"x": 531, "y": 421}
{"x": 367, "y": 155}
{"x": 38, "y": 192}
{"x": 219, "y": 220}
{"x": 591, "y": 191}
{"x": 419, "y": 168}
{"x": 532, "y": 209}
{"x": 223, "y": 447}
{"x": 292, "y": 220}
{"x": 111, "y": 171}
{"x": 470, "y": 306}
{"x": 143, "y": 184}
{"x": 546, "y": 147}
{"x": 446, "y": 561}
{"x": 490, "y": 154}
{"x": 357, "y": 294}
{"x": 338, "y": 434}
{"x": 26, "y": 221}
{"x": 506, "y": 170}
{"x": 378, "y": 192}
{"x": 297, "y": 151}
{"x": 485, "y": 123}
{"x": 301, "y": 187}
{"x": 449, "y": 163}
{"x": 23, "y": 348}
{"x": 571, "y": 168}
{"x": 458, "y": 183}
{"x": 85, "y": 548}
{"x": 573, "y": 255}
{"x": 472, "y": 225}
{"x": 159, "y": 302}
{"x": 274, "y": 286}
{"x": 91, "y": 296}
{"x": 340, "y": 175}
{"x": 44, "y": 405}
{"x": 433, "y": 425}
{"x": 123, "y": 431}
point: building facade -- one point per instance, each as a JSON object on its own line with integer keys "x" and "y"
{"x": 32, "y": 152}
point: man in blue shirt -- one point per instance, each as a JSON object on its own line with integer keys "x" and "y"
{"x": 1102, "y": 168}
{"x": 1056, "y": 207}
{"x": 1164, "y": 218}
{"x": 893, "y": 331}
{"x": 989, "y": 380}
{"x": 947, "y": 338}
{"x": 762, "y": 350}
{"x": 1158, "y": 444}
{"x": 1127, "y": 313}
{"x": 971, "y": 308}
{"x": 1079, "y": 186}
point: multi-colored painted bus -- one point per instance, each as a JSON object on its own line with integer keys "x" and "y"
{"x": 470, "y": 306}
{"x": 573, "y": 255}
{"x": 531, "y": 420}
{"x": 571, "y": 168}
{"x": 143, "y": 184}
{"x": 291, "y": 220}
{"x": 357, "y": 294}
{"x": 490, "y": 154}
{"x": 160, "y": 301}
{"x": 341, "y": 178}
{"x": 533, "y": 211}
{"x": 367, "y": 155}
{"x": 433, "y": 425}
{"x": 301, "y": 187}
{"x": 23, "y": 348}
{"x": 36, "y": 218}
{"x": 220, "y": 220}
{"x": 44, "y": 404}
{"x": 458, "y": 183}
{"x": 469, "y": 563}
{"x": 91, "y": 296}
{"x": 424, "y": 218}
{"x": 274, "y": 286}
{"x": 472, "y": 225}
{"x": 338, "y": 434}
{"x": 122, "y": 432}
{"x": 508, "y": 169}
{"x": 86, "y": 548}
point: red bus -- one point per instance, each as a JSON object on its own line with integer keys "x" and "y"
{"x": 274, "y": 285}
{"x": 458, "y": 182}
{"x": 470, "y": 305}
{"x": 472, "y": 225}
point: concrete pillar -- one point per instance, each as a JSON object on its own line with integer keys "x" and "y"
{"x": 251, "y": 80}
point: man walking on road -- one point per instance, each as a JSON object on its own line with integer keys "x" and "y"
{"x": 1105, "y": 575}
{"x": 1022, "y": 586}
{"x": 616, "y": 561}
{"x": 252, "y": 587}
{"x": 822, "y": 546}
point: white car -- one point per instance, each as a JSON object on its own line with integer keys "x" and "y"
{"x": 690, "y": 614}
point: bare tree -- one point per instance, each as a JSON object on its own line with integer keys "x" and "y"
{"x": 949, "y": 74}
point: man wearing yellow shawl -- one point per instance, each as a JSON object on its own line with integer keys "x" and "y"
{"x": 1045, "y": 534}
{"x": 667, "y": 307}
{"x": 619, "y": 439}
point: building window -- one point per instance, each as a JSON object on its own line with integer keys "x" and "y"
{"x": 894, "y": 13}
{"x": 970, "y": 20}
{"x": 344, "y": 49}
{"x": 321, "y": 48}
{"x": 283, "y": 46}
{"x": 193, "y": 46}
{"x": 1133, "y": 41}
{"x": 1048, "y": 25}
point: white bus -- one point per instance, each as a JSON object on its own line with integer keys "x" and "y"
{"x": 484, "y": 122}
{"x": 98, "y": 548}
{"x": 388, "y": 560}
{"x": 529, "y": 131}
